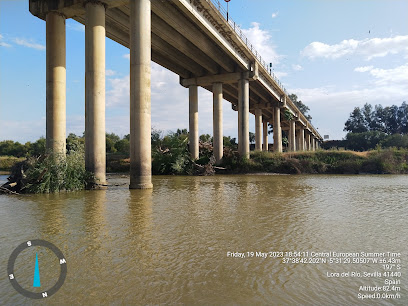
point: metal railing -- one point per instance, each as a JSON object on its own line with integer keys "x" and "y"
{"x": 237, "y": 29}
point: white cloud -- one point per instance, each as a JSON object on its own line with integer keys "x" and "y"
{"x": 297, "y": 67}
{"x": 367, "y": 48}
{"x": 127, "y": 56}
{"x": 363, "y": 69}
{"x": 109, "y": 72}
{"x": 261, "y": 41}
{"x": 387, "y": 77}
{"x": 29, "y": 44}
{"x": 2, "y": 43}
{"x": 275, "y": 14}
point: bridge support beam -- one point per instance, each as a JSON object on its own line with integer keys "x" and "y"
{"x": 95, "y": 145}
{"x": 292, "y": 135}
{"x": 258, "y": 129}
{"x": 265, "y": 136}
{"x": 217, "y": 122}
{"x": 243, "y": 117}
{"x": 55, "y": 84}
{"x": 277, "y": 130}
{"x": 193, "y": 121}
{"x": 308, "y": 141}
{"x": 140, "y": 95}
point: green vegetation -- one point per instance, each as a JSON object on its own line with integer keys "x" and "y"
{"x": 370, "y": 128}
{"x": 390, "y": 161}
{"x": 6, "y": 162}
{"x": 48, "y": 173}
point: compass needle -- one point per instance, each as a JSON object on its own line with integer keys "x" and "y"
{"x": 36, "y": 281}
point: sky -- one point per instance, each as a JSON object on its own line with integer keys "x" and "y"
{"x": 333, "y": 54}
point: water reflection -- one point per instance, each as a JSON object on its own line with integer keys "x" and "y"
{"x": 169, "y": 245}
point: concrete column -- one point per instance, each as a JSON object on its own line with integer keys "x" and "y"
{"x": 301, "y": 139}
{"x": 277, "y": 130}
{"x": 292, "y": 135}
{"x": 258, "y": 129}
{"x": 313, "y": 144}
{"x": 217, "y": 122}
{"x": 308, "y": 142}
{"x": 95, "y": 143}
{"x": 55, "y": 84}
{"x": 193, "y": 121}
{"x": 140, "y": 102}
{"x": 265, "y": 136}
{"x": 243, "y": 117}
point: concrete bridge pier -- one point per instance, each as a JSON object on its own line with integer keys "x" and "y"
{"x": 218, "y": 144}
{"x": 55, "y": 83}
{"x": 292, "y": 135}
{"x": 302, "y": 139}
{"x": 140, "y": 95}
{"x": 193, "y": 121}
{"x": 265, "y": 136}
{"x": 243, "y": 117}
{"x": 95, "y": 145}
{"x": 308, "y": 142}
{"x": 258, "y": 129}
{"x": 277, "y": 130}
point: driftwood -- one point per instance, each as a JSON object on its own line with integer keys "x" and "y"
{"x": 5, "y": 190}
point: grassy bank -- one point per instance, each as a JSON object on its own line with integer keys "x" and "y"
{"x": 389, "y": 161}
{"x": 6, "y": 162}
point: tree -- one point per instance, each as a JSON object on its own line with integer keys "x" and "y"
{"x": 251, "y": 137}
{"x": 205, "y": 138}
{"x": 111, "y": 139}
{"x": 123, "y": 146}
{"x": 38, "y": 148}
{"x": 403, "y": 118}
{"x": 364, "y": 141}
{"x": 304, "y": 109}
{"x": 74, "y": 143}
{"x": 356, "y": 122}
{"x": 229, "y": 142}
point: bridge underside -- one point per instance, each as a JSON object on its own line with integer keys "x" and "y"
{"x": 190, "y": 38}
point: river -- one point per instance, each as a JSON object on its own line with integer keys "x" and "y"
{"x": 175, "y": 244}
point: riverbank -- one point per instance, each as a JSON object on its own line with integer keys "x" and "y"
{"x": 387, "y": 161}
{"x": 6, "y": 162}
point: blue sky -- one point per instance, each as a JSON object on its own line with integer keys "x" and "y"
{"x": 334, "y": 54}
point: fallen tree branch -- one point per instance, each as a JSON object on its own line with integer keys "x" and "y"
{"x": 8, "y": 191}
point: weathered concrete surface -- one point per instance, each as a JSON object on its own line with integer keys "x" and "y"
{"x": 217, "y": 122}
{"x": 277, "y": 130}
{"x": 301, "y": 139}
{"x": 56, "y": 83}
{"x": 140, "y": 96}
{"x": 243, "y": 117}
{"x": 292, "y": 135}
{"x": 193, "y": 122}
{"x": 265, "y": 136}
{"x": 258, "y": 129}
{"x": 95, "y": 143}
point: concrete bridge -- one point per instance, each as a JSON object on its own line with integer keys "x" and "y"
{"x": 192, "y": 38}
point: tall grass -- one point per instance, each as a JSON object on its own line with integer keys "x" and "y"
{"x": 53, "y": 173}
